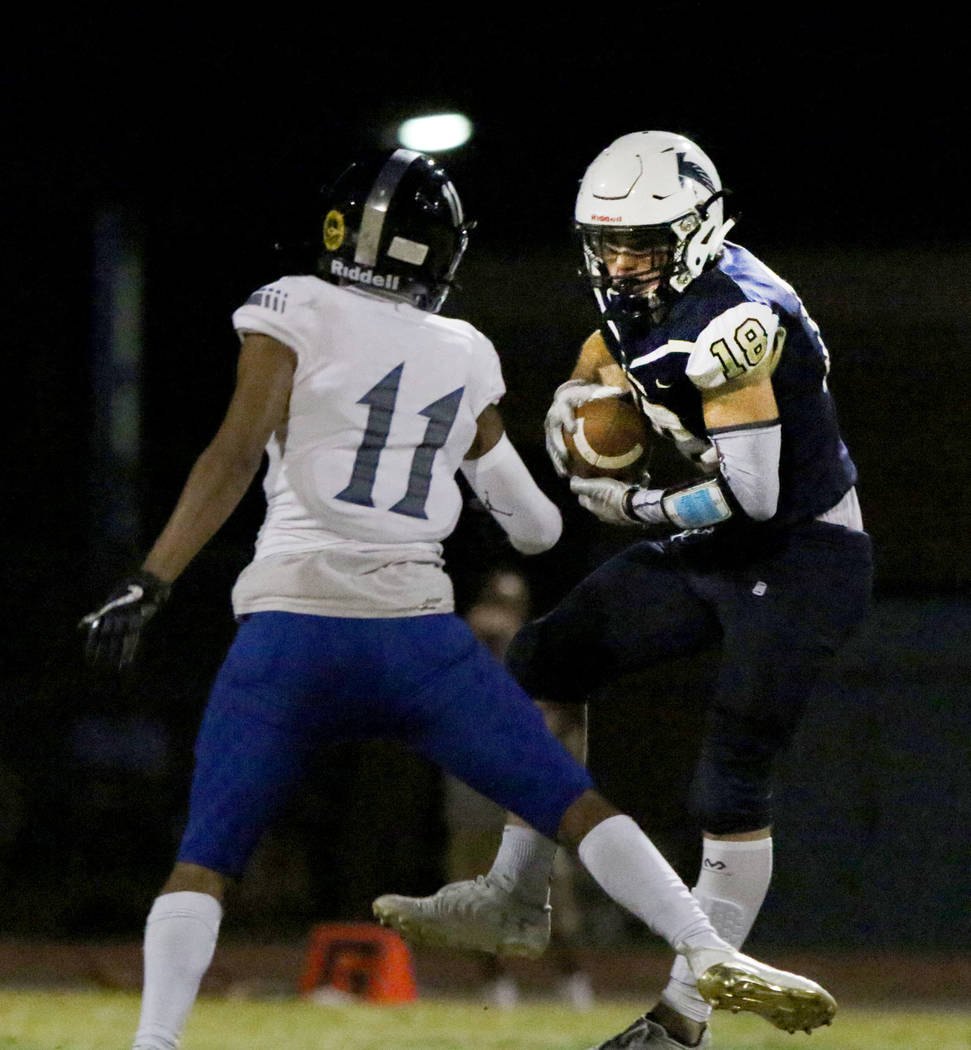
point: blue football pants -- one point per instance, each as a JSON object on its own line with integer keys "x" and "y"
{"x": 294, "y": 683}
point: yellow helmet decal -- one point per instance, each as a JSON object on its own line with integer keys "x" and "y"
{"x": 334, "y": 230}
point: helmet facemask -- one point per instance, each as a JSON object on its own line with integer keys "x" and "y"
{"x": 630, "y": 262}
{"x": 657, "y": 262}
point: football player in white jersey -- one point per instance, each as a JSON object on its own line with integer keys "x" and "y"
{"x": 368, "y": 403}
{"x": 760, "y": 551}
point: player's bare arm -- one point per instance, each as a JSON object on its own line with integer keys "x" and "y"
{"x": 596, "y": 365}
{"x": 217, "y": 482}
{"x": 224, "y": 471}
{"x": 740, "y": 404}
{"x": 489, "y": 429}
{"x": 595, "y": 375}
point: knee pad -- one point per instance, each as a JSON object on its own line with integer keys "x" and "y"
{"x": 732, "y": 787}
{"x": 727, "y": 917}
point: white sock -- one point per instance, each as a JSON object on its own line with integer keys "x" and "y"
{"x": 732, "y": 885}
{"x": 524, "y": 863}
{"x": 632, "y": 871}
{"x": 180, "y": 938}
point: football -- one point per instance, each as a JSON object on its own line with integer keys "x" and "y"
{"x": 610, "y": 439}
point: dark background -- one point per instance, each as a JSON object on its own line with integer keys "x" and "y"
{"x": 204, "y": 143}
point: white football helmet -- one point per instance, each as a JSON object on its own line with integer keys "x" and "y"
{"x": 656, "y": 195}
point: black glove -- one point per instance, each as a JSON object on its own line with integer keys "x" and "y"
{"x": 115, "y": 628}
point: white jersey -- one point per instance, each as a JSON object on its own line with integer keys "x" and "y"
{"x": 383, "y": 409}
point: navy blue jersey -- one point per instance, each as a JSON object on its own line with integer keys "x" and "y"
{"x": 735, "y": 319}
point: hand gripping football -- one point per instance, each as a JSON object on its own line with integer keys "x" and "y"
{"x": 610, "y": 439}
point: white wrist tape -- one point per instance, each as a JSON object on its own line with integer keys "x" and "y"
{"x": 507, "y": 490}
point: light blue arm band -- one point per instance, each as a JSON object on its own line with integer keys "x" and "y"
{"x": 747, "y": 483}
{"x": 688, "y": 507}
{"x": 695, "y": 507}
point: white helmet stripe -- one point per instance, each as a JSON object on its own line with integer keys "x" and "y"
{"x": 376, "y": 206}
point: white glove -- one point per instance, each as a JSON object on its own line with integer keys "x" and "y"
{"x": 603, "y": 497}
{"x": 561, "y": 416}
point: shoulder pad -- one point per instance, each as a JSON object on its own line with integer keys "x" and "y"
{"x": 743, "y": 342}
{"x": 283, "y": 309}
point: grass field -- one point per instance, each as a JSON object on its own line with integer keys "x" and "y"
{"x": 39, "y": 1020}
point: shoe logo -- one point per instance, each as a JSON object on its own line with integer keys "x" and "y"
{"x": 663, "y": 386}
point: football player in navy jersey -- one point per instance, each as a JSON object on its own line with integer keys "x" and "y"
{"x": 367, "y": 403}
{"x": 760, "y": 550}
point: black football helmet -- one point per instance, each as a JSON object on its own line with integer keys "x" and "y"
{"x": 393, "y": 224}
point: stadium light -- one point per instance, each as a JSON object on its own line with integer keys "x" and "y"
{"x": 435, "y": 133}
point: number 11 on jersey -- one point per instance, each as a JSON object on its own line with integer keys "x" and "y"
{"x": 380, "y": 400}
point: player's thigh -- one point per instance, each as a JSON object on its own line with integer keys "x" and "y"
{"x": 274, "y": 701}
{"x": 784, "y": 618}
{"x": 246, "y": 768}
{"x": 470, "y": 717}
{"x": 630, "y": 613}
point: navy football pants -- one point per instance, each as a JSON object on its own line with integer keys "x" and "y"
{"x": 778, "y": 616}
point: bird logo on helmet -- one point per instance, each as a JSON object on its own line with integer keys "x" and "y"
{"x": 650, "y": 213}
{"x": 394, "y": 225}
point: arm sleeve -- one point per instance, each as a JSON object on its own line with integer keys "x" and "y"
{"x": 749, "y": 457}
{"x": 501, "y": 480}
{"x": 747, "y": 483}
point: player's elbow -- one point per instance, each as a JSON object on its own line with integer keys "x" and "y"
{"x": 750, "y": 459}
{"x": 541, "y": 534}
{"x": 525, "y": 513}
{"x": 760, "y": 502}
{"x": 762, "y": 514}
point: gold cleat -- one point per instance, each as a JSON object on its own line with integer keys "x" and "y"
{"x": 783, "y": 1003}
{"x": 742, "y": 984}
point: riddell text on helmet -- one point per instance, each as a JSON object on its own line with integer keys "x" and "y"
{"x": 364, "y": 276}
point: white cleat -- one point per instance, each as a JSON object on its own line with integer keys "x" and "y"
{"x": 729, "y": 980}
{"x": 476, "y": 915}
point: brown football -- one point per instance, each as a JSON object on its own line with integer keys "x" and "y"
{"x": 610, "y": 439}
